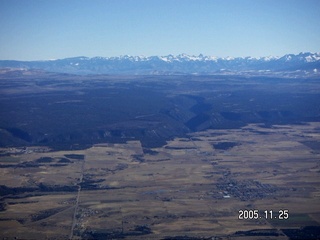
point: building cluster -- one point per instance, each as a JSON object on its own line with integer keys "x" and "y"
{"x": 244, "y": 190}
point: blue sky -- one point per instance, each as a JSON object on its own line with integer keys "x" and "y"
{"x": 51, "y": 29}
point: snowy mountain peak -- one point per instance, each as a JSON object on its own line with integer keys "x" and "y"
{"x": 303, "y": 56}
{"x": 172, "y": 64}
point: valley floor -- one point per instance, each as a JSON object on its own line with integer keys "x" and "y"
{"x": 191, "y": 187}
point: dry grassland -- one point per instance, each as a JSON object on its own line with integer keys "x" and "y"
{"x": 192, "y": 186}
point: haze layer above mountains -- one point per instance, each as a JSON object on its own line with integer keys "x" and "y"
{"x": 181, "y": 64}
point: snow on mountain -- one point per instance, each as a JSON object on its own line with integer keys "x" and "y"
{"x": 268, "y": 58}
{"x": 172, "y": 64}
{"x": 310, "y": 57}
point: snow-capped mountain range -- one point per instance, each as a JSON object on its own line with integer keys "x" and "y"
{"x": 170, "y": 64}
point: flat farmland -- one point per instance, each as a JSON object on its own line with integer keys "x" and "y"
{"x": 193, "y": 186}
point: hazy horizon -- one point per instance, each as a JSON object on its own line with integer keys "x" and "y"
{"x": 42, "y": 30}
{"x": 149, "y": 56}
